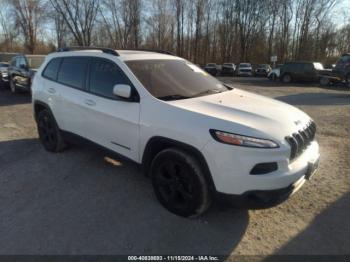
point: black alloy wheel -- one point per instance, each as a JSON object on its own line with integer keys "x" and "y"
{"x": 49, "y": 133}
{"x": 179, "y": 183}
{"x": 13, "y": 87}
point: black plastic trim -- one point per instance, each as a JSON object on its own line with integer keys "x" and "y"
{"x": 79, "y": 140}
{"x": 77, "y": 48}
{"x": 264, "y": 168}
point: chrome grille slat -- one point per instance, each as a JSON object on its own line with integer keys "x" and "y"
{"x": 301, "y": 140}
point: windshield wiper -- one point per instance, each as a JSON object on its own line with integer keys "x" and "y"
{"x": 210, "y": 91}
{"x": 227, "y": 86}
{"x": 172, "y": 97}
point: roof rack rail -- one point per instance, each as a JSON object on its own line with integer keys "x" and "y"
{"x": 150, "y": 50}
{"x": 103, "y": 49}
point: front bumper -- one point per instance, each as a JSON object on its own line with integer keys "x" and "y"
{"x": 4, "y": 77}
{"x": 260, "y": 199}
{"x": 231, "y": 171}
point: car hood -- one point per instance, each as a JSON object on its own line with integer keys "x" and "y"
{"x": 247, "y": 112}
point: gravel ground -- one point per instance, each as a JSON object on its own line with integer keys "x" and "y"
{"x": 77, "y": 203}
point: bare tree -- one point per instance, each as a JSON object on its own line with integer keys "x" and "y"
{"x": 122, "y": 20}
{"x": 8, "y": 27}
{"x": 180, "y": 10}
{"x": 79, "y": 16}
{"x": 200, "y": 30}
{"x": 29, "y": 15}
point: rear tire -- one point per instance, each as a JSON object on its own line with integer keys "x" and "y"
{"x": 347, "y": 80}
{"x": 287, "y": 78}
{"x": 179, "y": 183}
{"x": 49, "y": 133}
{"x": 324, "y": 81}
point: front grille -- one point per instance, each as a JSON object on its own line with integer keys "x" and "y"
{"x": 301, "y": 140}
{"x": 245, "y": 70}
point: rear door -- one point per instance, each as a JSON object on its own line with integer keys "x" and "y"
{"x": 111, "y": 121}
{"x": 71, "y": 92}
{"x": 308, "y": 73}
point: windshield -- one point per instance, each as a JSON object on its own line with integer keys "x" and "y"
{"x": 244, "y": 65}
{"x": 211, "y": 65}
{"x": 4, "y": 65}
{"x": 174, "y": 79}
{"x": 35, "y": 61}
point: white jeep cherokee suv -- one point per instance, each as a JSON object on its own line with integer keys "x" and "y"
{"x": 196, "y": 137}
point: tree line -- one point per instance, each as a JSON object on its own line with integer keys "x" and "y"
{"x": 199, "y": 30}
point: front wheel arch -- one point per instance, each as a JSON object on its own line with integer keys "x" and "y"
{"x": 158, "y": 143}
{"x": 39, "y": 106}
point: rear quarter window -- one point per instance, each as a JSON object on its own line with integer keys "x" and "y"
{"x": 73, "y": 72}
{"x": 51, "y": 70}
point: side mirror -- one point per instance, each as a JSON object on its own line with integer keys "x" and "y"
{"x": 122, "y": 90}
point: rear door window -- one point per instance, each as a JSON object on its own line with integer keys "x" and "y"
{"x": 51, "y": 69}
{"x": 73, "y": 72}
{"x": 103, "y": 76}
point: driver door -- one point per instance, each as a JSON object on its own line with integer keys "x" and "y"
{"x": 110, "y": 121}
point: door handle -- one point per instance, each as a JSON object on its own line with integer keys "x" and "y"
{"x": 51, "y": 90}
{"x": 90, "y": 102}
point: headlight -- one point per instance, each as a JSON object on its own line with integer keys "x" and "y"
{"x": 240, "y": 140}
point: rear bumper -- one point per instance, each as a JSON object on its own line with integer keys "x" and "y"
{"x": 211, "y": 71}
{"x": 261, "y": 73}
{"x": 240, "y": 73}
{"x": 227, "y": 71}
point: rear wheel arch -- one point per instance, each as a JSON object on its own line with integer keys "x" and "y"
{"x": 158, "y": 144}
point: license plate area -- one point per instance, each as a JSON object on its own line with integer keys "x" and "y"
{"x": 311, "y": 169}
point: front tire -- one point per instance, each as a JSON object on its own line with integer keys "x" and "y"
{"x": 49, "y": 133}
{"x": 286, "y": 78}
{"x": 13, "y": 87}
{"x": 179, "y": 183}
{"x": 324, "y": 81}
